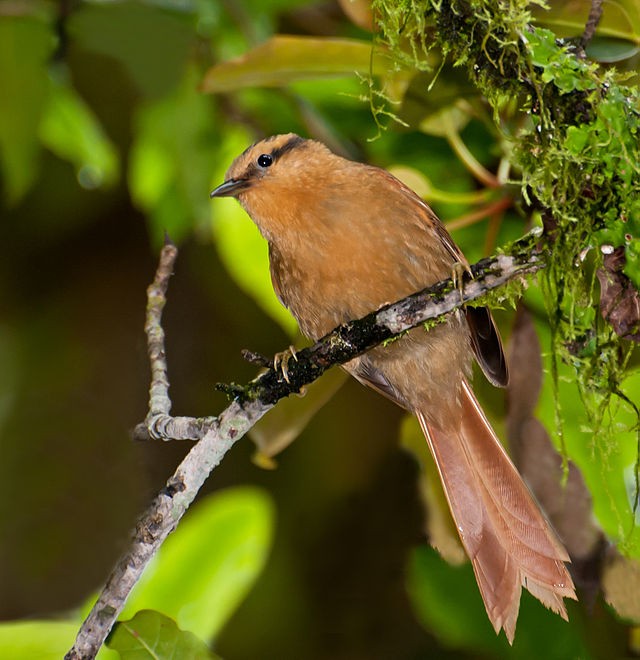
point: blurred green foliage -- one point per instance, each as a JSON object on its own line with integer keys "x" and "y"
{"x": 116, "y": 119}
{"x": 199, "y": 577}
{"x": 226, "y": 538}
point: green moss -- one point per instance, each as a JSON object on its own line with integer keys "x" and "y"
{"x": 576, "y": 148}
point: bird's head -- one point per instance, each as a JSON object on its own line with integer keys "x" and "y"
{"x": 276, "y": 161}
{"x": 278, "y": 182}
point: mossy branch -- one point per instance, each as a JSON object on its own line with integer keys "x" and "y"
{"x": 391, "y": 321}
{"x": 217, "y": 435}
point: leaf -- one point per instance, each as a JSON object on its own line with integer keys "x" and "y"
{"x": 621, "y": 587}
{"x": 156, "y": 62}
{"x": 610, "y": 50}
{"x": 619, "y": 299}
{"x": 564, "y": 498}
{"x": 284, "y": 59}
{"x": 241, "y": 247}
{"x": 170, "y": 160}
{"x": 284, "y": 423}
{"x": 72, "y": 132}
{"x": 151, "y": 635}
{"x": 620, "y": 18}
{"x": 607, "y": 467}
{"x": 25, "y": 46}
{"x": 577, "y": 138}
{"x": 206, "y": 568}
{"x": 40, "y": 640}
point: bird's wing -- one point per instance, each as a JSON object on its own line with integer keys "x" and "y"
{"x": 487, "y": 346}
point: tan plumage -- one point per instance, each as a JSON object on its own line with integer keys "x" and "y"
{"x": 345, "y": 238}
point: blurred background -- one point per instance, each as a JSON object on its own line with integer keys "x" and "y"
{"x": 116, "y": 120}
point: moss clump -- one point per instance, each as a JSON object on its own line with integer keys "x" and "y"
{"x": 577, "y": 149}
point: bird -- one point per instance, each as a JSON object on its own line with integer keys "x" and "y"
{"x": 346, "y": 238}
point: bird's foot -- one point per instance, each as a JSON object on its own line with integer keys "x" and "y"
{"x": 457, "y": 275}
{"x": 282, "y": 359}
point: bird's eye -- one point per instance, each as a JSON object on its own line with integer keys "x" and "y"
{"x": 265, "y": 160}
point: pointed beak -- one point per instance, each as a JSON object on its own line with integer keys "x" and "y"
{"x": 230, "y": 188}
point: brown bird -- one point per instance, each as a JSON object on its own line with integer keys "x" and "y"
{"x": 346, "y": 238}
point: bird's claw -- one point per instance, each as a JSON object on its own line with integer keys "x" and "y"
{"x": 457, "y": 275}
{"x": 281, "y": 361}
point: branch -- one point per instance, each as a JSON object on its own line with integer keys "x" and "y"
{"x": 217, "y": 435}
{"x": 595, "y": 14}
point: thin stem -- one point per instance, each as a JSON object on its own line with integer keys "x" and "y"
{"x": 469, "y": 160}
{"x": 500, "y": 205}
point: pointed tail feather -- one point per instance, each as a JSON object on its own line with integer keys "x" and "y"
{"x": 506, "y": 536}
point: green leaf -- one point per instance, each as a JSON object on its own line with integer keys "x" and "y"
{"x": 170, "y": 160}
{"x": 241, "y": 247}
{"x": 610, "y": 50}
{"x": 151, "y": 43}
{"x": 40, "y": 640}
{"x": 206, "y": 568}
{"x": 606, "y": 462}
{"x": 620, "y": 18}
{"x": 25, "y": 47}
{"x": 151, "y": 635}
{"x": 577, "y": 138}
{"x": 559, "y": 66}
{"x": 151, "y": 170}
{"x": 632, "y": 266}
{"x": 283, "y": 59}
{"x": 71, "y": 131}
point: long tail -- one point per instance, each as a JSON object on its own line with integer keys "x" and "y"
{"x": 506, "y": 536}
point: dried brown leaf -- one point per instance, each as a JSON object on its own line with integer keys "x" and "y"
{"x": 568, "y": 506}
{"x": 619, "y": 299}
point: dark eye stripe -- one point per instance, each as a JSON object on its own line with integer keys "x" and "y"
{"x": 290, "y": 144}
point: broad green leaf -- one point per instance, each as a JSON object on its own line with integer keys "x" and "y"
{"x": 151, "y": 171}
{"x": 610, "y": 50}
{"x": 284, "y": 59}
{"x": 576, "y": 139}
{"x": 206, "y": 568}
{"x": 152, "y": 43}
{"x": 242, "y": 250}
{"x": 170, "y": 160}
{"x": 25, "y": 47}
{"x": 620, "y": 18}
{"x": 71, "y": 130}
{"x": 40, "y": 640}
{"x": 606, "y": 461}
{"x": 152, "y": 636}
